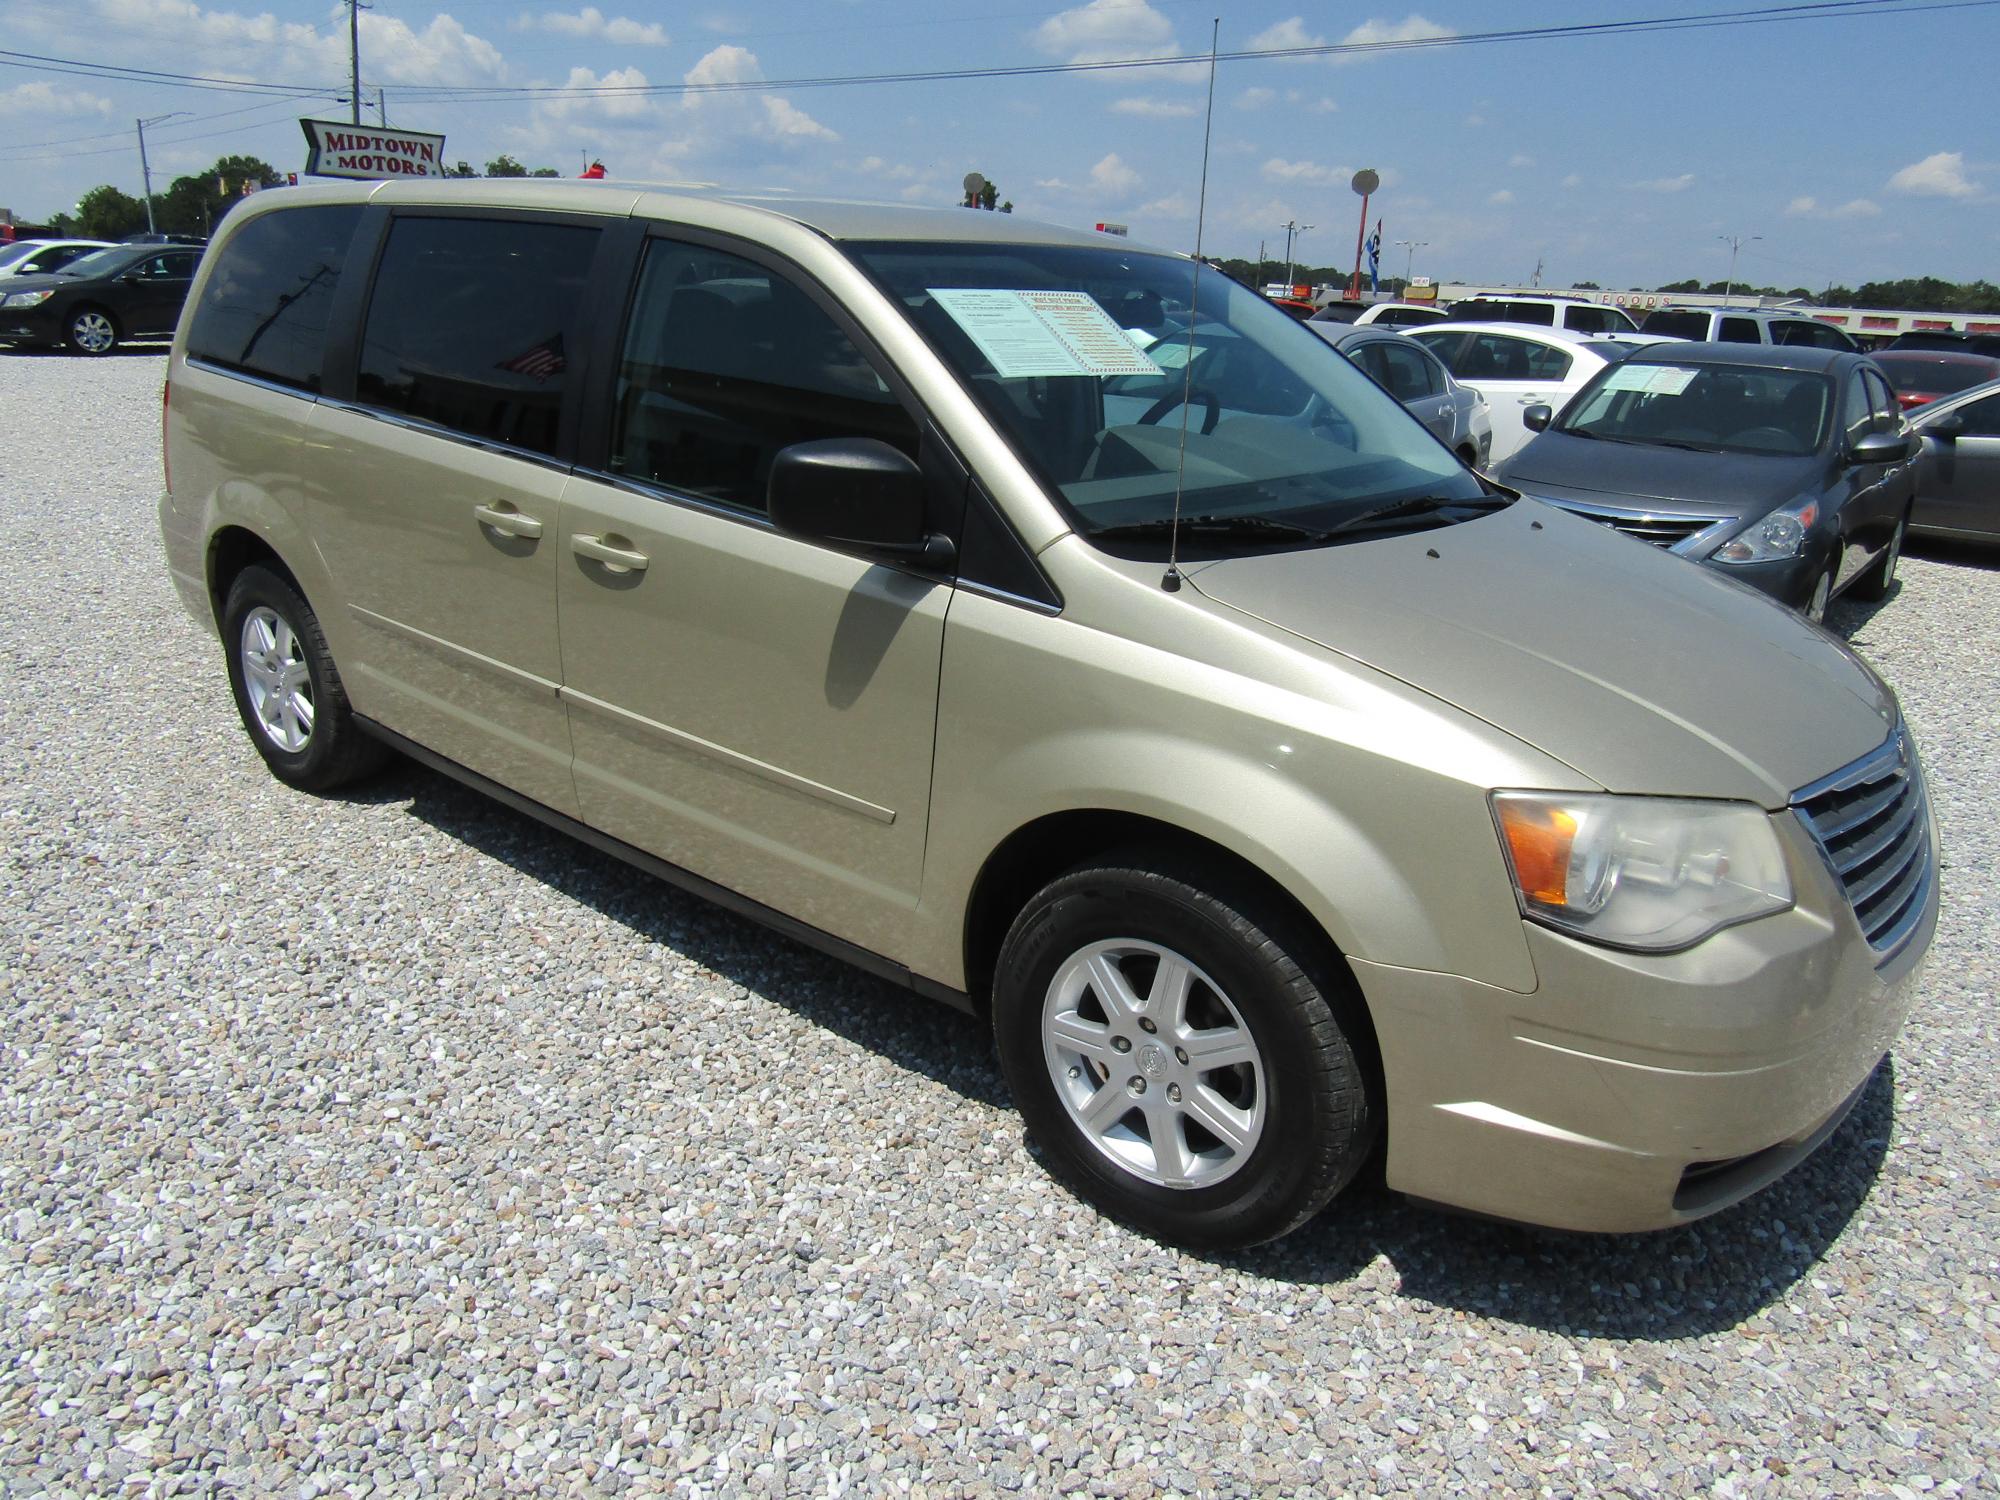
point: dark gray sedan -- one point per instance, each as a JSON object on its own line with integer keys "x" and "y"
{"x": 1786, "y": 467}
{"x": 1456, "y": 414}
{"x": 1958, "y": 481}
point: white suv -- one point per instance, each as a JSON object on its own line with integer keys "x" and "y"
{"x": 1574, "y": 313}
{"x": 1745, "y": 325}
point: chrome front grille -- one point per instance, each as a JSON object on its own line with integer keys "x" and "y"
{"x": 1663, "y": 528}
{"x": 1872, "y": 822}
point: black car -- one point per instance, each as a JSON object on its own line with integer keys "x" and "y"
{"x": 1945, "y": 340}
{"x": 95, "y": 303}
{"x": 1786, "y": 467}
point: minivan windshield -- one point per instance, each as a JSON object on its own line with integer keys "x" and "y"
{"x": 1714, "y": 408}
{"x": 1095, "y": 366}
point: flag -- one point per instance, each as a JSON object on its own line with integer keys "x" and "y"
{"x": 539, "y": 362}
{"x": 1375, "y": 259}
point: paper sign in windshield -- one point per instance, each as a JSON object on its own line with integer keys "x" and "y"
{"x": 1043, "y": 333}
{"x": 1656, "y": 380}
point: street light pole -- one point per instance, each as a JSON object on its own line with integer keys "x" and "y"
{"x": 1291, "y": 227}
{"x": 1409, "y": 263}
{"x": 354, "y": 55}
{"x": 1735, "y": 242}
{"x": 145, "y": 169}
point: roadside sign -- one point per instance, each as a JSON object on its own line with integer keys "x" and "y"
{"x": 337, "y": 149}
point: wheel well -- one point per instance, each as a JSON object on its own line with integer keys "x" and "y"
{"x": 230, "y": 551}
{"x": 1038, "y": 853}
{"x": 1466, "y": 452}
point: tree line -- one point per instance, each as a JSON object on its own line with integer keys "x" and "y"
{"x": 195, "y": 204}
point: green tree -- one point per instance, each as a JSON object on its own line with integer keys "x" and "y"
{"x": 504, "y": 165}
{"x": 196, "y": 203}
{"x": 104, "y": 213}
{"x": 1690, "y": 285}
{"x": 1585, "y": 286}
{"x": 463, "y": 169}
{"x": 545, "y": 172}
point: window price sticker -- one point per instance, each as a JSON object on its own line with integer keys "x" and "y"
{"x": 1043, "y": 333}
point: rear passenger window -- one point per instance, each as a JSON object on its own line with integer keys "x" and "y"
{"x": 724, "y": 364}
{"x": 1740, "y": 331}
{"x": 472, "y": 323}
{"x": 265, "y": 305}
{"x": 1407, "y": 374}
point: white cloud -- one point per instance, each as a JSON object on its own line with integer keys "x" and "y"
{"x": 724, "y": 64}
{"x": 396, "y": 53}
{"x": 1054, "y": 185}
{"x": 1574, "y": 179}
{"x": 1280, "y": 170}
{"x": 1255, "y": 98}
{"x": 1853, "y": 208}
{"x": 1800, "y": 207}
{"x": 1322, "y": 106}
{"x": 591, "y": 24}
{"x": 1520, "y": 160}
{"x": 1287, "y": 33}
{"x": 1678, "y": 184}
{"x": 1940, "y": 175}
{"x": 788, "y": 122}
{"x": 606, "y": 106}
{"x": 1154, "y": 109}
{"x": 1504, "y": 196}
{"x": 1173, "y": 206}
{"x": 44, "y": 99}
{"x": 1112, "y": 175}
{"x": 1412, "y": 28}
{"x": 1858, "y": 208}
{"x": 1107, "y": 31}
{"x": 1476, "y": 122}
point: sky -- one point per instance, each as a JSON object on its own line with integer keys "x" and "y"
{"x": 1839, "y": 150}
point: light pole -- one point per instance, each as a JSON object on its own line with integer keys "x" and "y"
{"x": 1291, "y": 227}
{"x": 1735, "y": 242}
{"x": 1410, "y": 261}
{"x": 145, "y": 170}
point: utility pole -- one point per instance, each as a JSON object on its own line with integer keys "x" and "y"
{"x": 145, "y": 170}
{"x": 382, "y": 103}
{"x": 1735, "y": 242}
{"x": 1291, "y": 227}
{"x": 1410, "y": 261}
{"x": 354, "y": 56}
{"x": 1260, "y": 268}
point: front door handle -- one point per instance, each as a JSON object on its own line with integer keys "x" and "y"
{"x": 600, "y": 549}
{"x": 503, "y": 517}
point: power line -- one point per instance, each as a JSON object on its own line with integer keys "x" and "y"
{"x": 1802, "y": 10}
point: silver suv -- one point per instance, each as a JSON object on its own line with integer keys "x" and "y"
{"x": 1745, "y": 325}
{"x": 1057, "y": 629}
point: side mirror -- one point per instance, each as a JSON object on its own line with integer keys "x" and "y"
{"x": 1537, "y": 418}
{"x": 1879, "y": 448}
{"x": 858, "y": 493}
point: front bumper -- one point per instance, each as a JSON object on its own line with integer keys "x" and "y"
{"x": 29, "y": 325}
{"x": 1639, "y": 1091}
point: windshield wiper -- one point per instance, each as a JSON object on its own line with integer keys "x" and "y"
{"x": 1220, "y": 526}
{"x": 1416, "y": 505}
{"x": 1679, "y": 443}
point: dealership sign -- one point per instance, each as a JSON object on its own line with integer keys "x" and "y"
{"x": 336, "y": 149}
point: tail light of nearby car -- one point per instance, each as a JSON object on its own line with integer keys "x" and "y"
{"x": 1914, "y": 398}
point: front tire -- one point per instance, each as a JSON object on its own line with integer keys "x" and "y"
{"x": 92, "y": 331}
{"x": 287, "y": 688}
{"x": 1187, "y": 1055}
{"x": 1880, "y": 579}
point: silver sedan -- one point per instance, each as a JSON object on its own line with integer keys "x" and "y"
{"x": 1958, "y": 480}
{"x": 1456, "y": 414}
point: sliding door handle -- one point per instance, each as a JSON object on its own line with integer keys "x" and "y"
{"x": 504, "y": 518}
{"x": 603, "y": 549}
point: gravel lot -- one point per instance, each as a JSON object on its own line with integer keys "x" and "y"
{"x": 389, "y": 1144}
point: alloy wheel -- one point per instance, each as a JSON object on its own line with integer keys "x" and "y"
{"x": 278, "y": 679}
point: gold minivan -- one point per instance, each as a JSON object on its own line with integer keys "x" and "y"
{"x": 1051, "y": 626}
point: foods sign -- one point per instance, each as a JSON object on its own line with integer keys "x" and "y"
{"x": 341, "y": 150}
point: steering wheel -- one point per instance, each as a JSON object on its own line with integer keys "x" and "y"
{"x": 1174, "y": 399}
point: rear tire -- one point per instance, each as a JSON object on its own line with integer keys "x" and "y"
{"x": 1880, "y": 579}
{"x": 1190, "y": 1060}
{"x": 287, "y": 688}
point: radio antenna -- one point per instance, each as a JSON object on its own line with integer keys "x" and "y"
{"x": 1171, "y": 582}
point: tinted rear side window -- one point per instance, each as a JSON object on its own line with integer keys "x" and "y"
{"x": 1676, "y": 325}
{"x": 1740, "y": 331}
{"x": 473, "y": 323}
{"x": 265, "y": 305}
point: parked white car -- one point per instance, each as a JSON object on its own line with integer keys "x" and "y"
{"x": 44, "y": 257}
{"x": 1515, "y": 367}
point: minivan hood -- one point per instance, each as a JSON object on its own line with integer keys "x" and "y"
{"x": 1734, "y": 484}
{"x": 1644, "y": 672}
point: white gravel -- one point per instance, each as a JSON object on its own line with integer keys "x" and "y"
{"x": 392, "y": 1145}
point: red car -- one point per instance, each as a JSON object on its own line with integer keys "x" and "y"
{"x": 1923, "y": 375}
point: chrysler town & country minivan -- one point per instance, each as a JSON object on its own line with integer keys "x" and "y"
{"x": 1057, "y": 629}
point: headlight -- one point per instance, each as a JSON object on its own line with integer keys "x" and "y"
{"x": 26, "y": 299}
{"x": 1780, "y": 534}
{"x": 1640, "y": 872}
